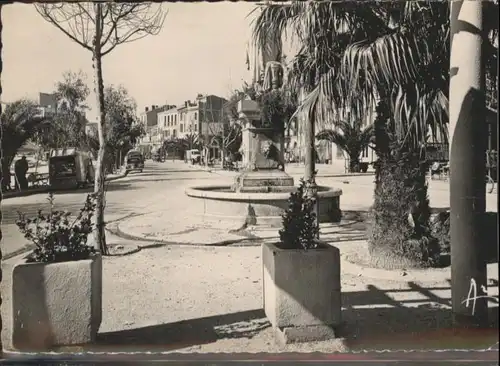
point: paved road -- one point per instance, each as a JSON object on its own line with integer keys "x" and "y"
{"x": 157, "y": 187}
{"x": 160, "y": 187}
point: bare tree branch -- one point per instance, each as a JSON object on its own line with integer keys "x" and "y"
{"x": 56, "y": 15}
{"x": 120, "y": 22}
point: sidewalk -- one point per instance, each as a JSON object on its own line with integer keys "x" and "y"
{"x": 201, "y": 299}
{"x": 336, "y": 169}
{"x": 46, "y": 189}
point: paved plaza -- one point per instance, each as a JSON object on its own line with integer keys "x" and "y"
{"x": 173, "y": 296}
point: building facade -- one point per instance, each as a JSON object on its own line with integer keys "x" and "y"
{"x": 149, "y": 118}
{"x": 168, "y": 122}
{"x": 202, "y": 117}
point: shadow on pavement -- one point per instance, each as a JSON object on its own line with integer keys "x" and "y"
{"x": 110, "y": 187}
{"x": 186, "y": 333}
{"x": 372, "y": 320}
{"x": 139, "y": 180}
{"x": 489, "y": 227}
{"x": 397, "y": 325}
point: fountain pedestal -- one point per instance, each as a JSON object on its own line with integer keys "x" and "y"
{"x": 262, "y": 150}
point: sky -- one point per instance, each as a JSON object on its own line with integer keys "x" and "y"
{"x": 201, "y": 49}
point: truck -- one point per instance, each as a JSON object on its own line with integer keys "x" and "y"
{"x": 193, "y": 156}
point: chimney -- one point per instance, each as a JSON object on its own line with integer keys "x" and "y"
{"x": 146, "y": 109}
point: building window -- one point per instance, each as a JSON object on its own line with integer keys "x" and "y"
{"x": 195, "y": 116}
{"x": 175, "y": 118}
{"x": 196, "y": 127}
{"x": 364, "y": 154}
{"x": 182, "y": 128}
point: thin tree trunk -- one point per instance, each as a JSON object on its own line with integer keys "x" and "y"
{"x": 310, "y": 161}
{"x": 354, "y": 164}
{"x": 100, "y": 234}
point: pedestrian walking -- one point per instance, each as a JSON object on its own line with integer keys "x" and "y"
{"x": 20, "y": 169}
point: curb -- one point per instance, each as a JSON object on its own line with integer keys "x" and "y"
{"x": 243, "y": 242}
{"x": 325, "y": 175}
{"x": 133, "y": 250}
{"x": 15, "y": 253}
{"x": 155, "y": 243}
{"x": 115, "y": 178}
{"x": 31, "y": 192}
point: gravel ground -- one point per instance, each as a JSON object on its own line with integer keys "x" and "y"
{"x": 192, "y": 299}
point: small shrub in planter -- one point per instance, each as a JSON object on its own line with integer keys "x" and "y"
{"x": 57, "y": 291}
{"x": 300, "y": 227}
{"x": 301, "y": 276}
{"x": 57, "y": 237}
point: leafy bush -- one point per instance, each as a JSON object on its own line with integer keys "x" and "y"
{"x": 300, "y": 227}
{"x": 58, "y": 238}
{"x": 440, "y": 228}
{"x": 276, "y": 109}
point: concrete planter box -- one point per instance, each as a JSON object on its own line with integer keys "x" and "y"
{"x": 56, "y": 304}
{"x": 302, "y": 297}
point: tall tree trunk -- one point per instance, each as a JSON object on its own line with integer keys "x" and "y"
{"x": 400, "y": 212}
{"x": 467, "y": 131}
{"x": 354, "y": 163}
{"x": 100, "y": 234}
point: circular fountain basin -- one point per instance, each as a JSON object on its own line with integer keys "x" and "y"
{"x": 261, "y": 208}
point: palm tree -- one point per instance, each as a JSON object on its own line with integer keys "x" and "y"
{"x": 391, "y": 54}
{"x": 352, "y": 138}
{"x": 20, "y": 121}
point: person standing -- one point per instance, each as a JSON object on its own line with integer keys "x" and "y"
{"x": 20, "y": 169}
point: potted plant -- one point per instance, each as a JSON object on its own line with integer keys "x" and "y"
{"x": 301, "y": 276}
{"x": 57, "y": 289}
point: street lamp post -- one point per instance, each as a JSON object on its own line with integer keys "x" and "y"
{"x": 467, "y": 131}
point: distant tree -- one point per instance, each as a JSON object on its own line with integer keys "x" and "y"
{"x": 227, "y": 138}
{"x": 350, "y": 137}
{"x": 67, "y": 127}
{"x": 122, "y": 131}
{"x": 99, "y": 28}
{"x": 19, "y": 123}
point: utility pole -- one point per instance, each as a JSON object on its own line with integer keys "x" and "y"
{"x": 468, "y": 134}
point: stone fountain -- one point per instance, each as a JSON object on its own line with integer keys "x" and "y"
{"x": 260, "y": 192}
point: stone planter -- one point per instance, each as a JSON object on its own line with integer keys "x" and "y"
{"x": 302, "y": 297}
{"x": 56, "y": 304}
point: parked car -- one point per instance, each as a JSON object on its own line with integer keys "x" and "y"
{"x": 193, "y": 156}
{"x": 134, "y": 161}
